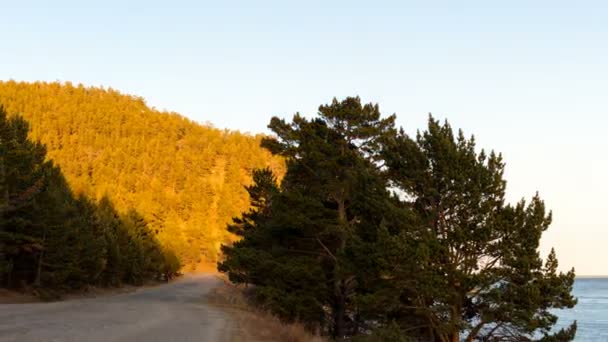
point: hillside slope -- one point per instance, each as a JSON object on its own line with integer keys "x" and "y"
{"x": 184, "y": 178}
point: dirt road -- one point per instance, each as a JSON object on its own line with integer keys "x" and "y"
{"x": 172, "y": 312}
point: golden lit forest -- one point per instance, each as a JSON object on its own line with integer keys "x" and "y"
{"x": 185, "y": 179}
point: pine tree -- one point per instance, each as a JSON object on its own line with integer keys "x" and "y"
{"x": 371, "y": 231}
{"x": 23, "y": 171}
{"x": 4, "y": 236}
{"x": 318, "y": 215}
{"x": 478, "y": 274}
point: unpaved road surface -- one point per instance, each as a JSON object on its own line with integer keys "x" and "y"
{"x": 173, "y": 312}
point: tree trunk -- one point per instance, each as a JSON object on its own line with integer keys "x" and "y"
{"x": 3, "y": 189}
{"x": 9, "y": 277}
{"x": 342, "y": 212}
{"x": 339, "y": 311}
{"x": 357, "y": 323}
{"x": 339, "y": 288}
{"x": 37, "y": 282}
{"x": 455, "y": 334}
{"x": 39, "y": 270}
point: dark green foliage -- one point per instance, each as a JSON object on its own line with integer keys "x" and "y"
{"x": 439, "y": 257}
{"x": 51, "y": 239}
{"x": 299, "y": 240}
{"x": 288, "y": 276}
{"x": 566, "y": 334}
{"x": 477, "y": 270}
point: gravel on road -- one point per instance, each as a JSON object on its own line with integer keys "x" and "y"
{"x": 176, "y": 311}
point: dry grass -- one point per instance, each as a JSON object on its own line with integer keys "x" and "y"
{"x": 33, "y": 295}
{"x": 256, "y": 325}
{"x": 15, "y": 297}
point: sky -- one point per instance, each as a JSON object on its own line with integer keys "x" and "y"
{"x": 527, "y": 78}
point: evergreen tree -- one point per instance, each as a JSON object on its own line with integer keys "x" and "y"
{"x": 330, "y": 199}
{"x": 376, "y": 234}
{"x": 477, "y": 273}
{"x": 23, "y": 178}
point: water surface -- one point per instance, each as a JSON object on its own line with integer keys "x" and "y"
{"x": 591, "y": 312}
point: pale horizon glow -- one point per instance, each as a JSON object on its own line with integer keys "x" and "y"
{"x": 527, "y": 79}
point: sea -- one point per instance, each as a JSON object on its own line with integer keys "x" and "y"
{"x": 591, "y": 312}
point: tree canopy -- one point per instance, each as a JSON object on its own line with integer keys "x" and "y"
{"x": 374, "y": 234}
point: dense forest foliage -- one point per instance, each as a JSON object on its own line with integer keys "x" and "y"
{"x": 51, "y": 239}
{"x": 184, "y": 179}
{"x": 374, "y": 234}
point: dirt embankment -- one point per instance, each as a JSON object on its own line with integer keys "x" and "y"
{"x": 34, "y": 296}
{"x": 254, "y": 324}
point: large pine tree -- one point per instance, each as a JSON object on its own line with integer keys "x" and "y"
{"x": 373, "y": 233}
{"x": 304, "y": 232}
{"x": 477, "y": 273}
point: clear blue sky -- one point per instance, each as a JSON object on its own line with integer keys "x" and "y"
{"x": 528, "y": 78}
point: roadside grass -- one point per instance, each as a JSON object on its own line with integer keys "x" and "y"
{"x": 255, "y": 324}
{"x": 17, "y": 297}
{"x": 40, "y": 294}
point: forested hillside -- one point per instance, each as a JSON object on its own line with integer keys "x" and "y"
{"x": 184, "y": 179}
{"x": 51, "y": 239}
